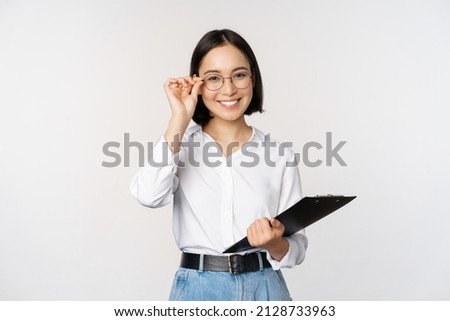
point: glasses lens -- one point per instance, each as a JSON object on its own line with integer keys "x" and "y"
{"x": 241, "y": 80}
{"x": 213, "y": 82}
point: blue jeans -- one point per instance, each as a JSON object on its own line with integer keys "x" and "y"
{"x": 262, "y": 285}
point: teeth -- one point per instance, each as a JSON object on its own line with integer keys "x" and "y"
{"x": 229, "y": 103}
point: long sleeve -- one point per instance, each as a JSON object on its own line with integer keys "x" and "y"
{"x": 154, "y": 184}
{"x": 298, "y": 242}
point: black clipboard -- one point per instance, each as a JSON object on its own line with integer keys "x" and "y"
{"x": 305, "y": 212}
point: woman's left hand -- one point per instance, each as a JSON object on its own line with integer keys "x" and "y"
{"x": 265, "y": 233}
{"x": 268, "y": 234}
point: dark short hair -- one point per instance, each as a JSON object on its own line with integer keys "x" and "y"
{"x": 217, "y": 38}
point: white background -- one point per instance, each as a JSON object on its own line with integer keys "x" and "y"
{"x": 75, "y": 75}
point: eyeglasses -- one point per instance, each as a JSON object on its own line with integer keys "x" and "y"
{"x": 239, "y": 80}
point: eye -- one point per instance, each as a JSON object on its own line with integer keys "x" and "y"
{"x": 213, "y": 78}
{"x": 240, "y": 75}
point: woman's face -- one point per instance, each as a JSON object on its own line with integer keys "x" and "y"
{"x": 228, "y": 103}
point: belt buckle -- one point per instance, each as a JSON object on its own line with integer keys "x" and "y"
{"x": 235, "y": 264}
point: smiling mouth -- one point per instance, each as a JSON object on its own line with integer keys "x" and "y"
{"x": 229, "y": 103}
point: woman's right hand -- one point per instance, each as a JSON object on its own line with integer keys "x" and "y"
{"x": 182, "y": 94}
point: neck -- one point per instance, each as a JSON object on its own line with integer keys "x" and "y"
{"x": 226, "y": 131}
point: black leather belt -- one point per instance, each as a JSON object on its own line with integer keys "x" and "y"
{"x": 234, "y": 264}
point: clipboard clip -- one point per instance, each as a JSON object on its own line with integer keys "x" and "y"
{"x": 328, "y": 195}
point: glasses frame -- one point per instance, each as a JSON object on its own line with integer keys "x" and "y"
{"x": 231, "y": 80}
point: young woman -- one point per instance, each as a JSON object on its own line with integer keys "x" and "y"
{"x": 226, "y": 178}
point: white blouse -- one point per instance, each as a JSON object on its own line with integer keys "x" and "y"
{"x": 215, "y": 198}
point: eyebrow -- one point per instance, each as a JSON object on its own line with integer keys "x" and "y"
{"x": 218, "y": 71}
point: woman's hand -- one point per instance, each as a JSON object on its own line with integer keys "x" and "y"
{"x": 268, "y": 234}
{"x": 182, "y": 94}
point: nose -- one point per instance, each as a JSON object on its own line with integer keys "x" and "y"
{"x": 228, "y": 87}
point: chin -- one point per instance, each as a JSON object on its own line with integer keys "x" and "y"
{"x": 228, "y": 116}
